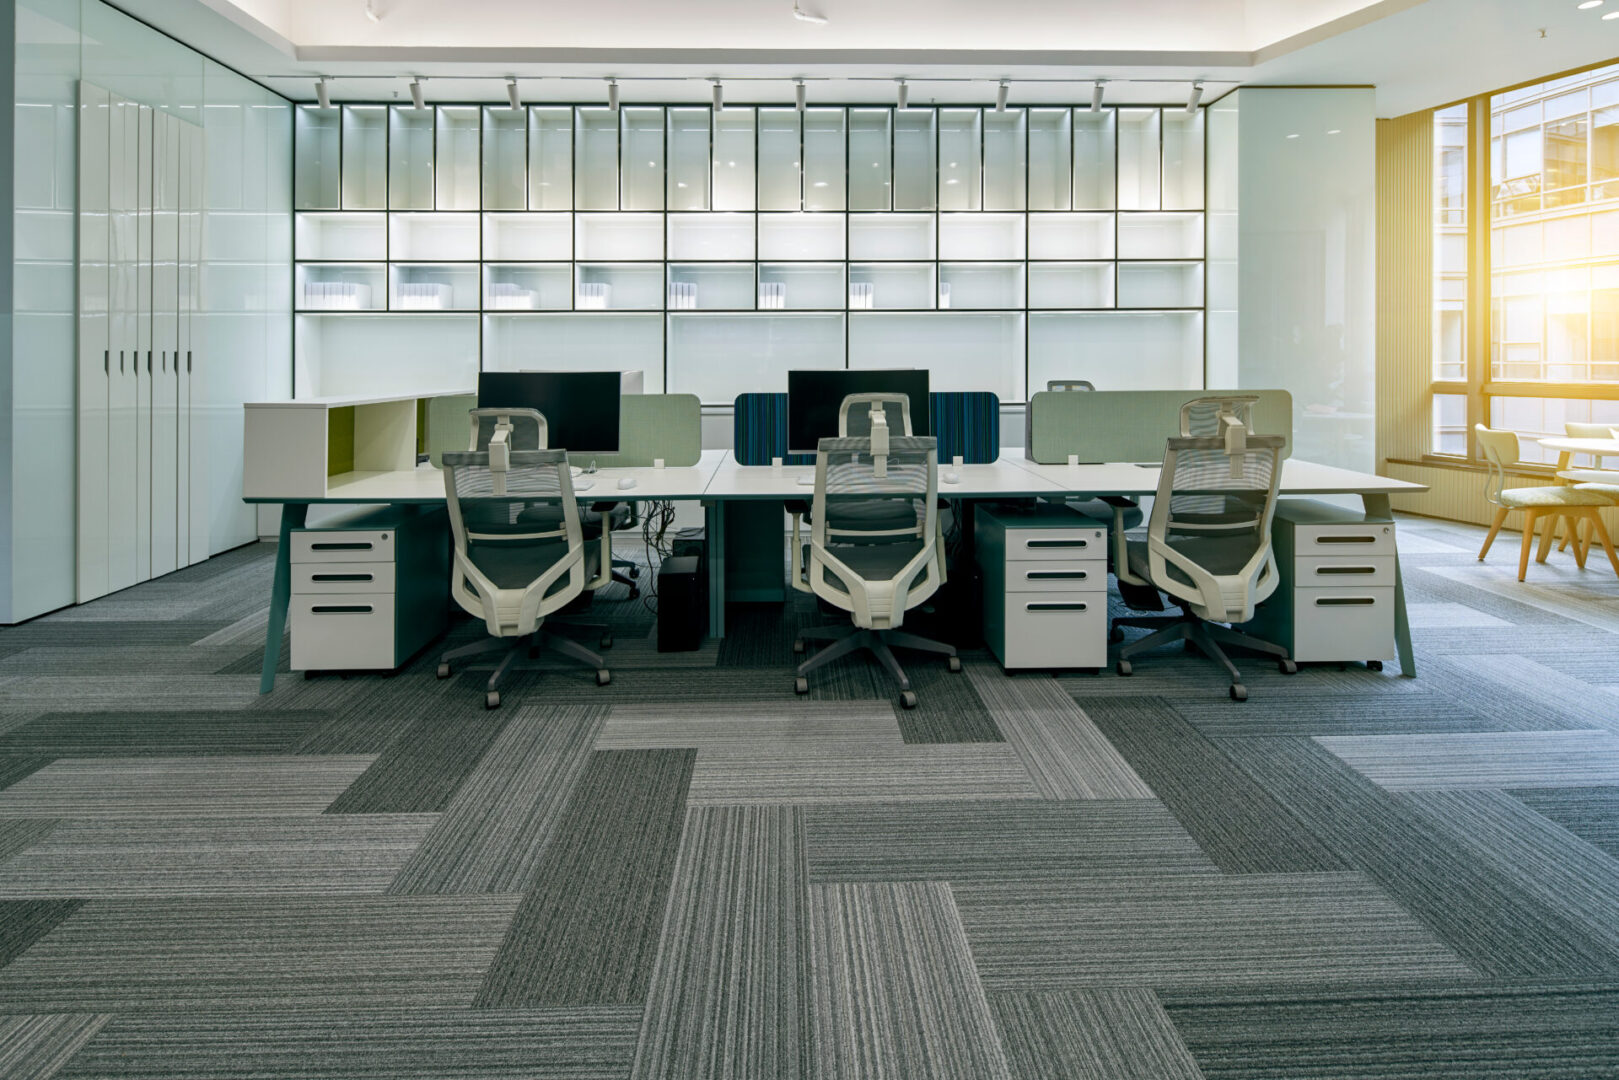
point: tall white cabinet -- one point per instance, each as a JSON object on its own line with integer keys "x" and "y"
{"x": 142, "y": 475}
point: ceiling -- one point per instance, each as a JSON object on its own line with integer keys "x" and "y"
{"x": 1417, "y": 53}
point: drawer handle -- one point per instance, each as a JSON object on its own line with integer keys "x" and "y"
{"x": 341, "y": 609}
{"x": 364, "y": 545}
{"x": 1339, "y": 571}
{"x": 1346, "y": 539}
{"x": 1345, "y": 601}
{"x": 1077, "y": 606}
{"x": 1056, "y": 575}
{"x": 1057, "y": 543}
{"x": 342, "y": 577}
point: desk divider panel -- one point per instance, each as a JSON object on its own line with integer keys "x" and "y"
{"x": 965, "y": 423}
{"x": 651, "y": 426}
{"x": 1130, "y": 425}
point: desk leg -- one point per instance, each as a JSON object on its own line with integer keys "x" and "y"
{"x": 714, "y": 546}
{"x": 293, "y": 516}
{"x": 1377, "y": 505}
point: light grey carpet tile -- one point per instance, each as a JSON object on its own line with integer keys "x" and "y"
{"x": 1485, "y": 1033}
{"x": 14, "y": 767}
{"x": 1581, "y": 596}
{"x": 1483, "y": 760}
{"x": 69, "y": 662}
{"x": 190, "y": 856}
{"x": 25, "y": 922}
{"x": 1090, "y": 1035}
{"x": 1495, "y": 685}
{"x": 1179, "y": 930}
{"x": 20, "y": 834}
{"x": 1336, "y": 714}
{"x": 1022, "y": 840}
{"x": 594, "y": 1043}
{"x": 848, "y": 771}
{"x": 36, "y": 1047}
{"x": 160, "y": 732}
{"x": 246, "y": 953}
{"x": 1061, "y": 749}
{"x": 587, "y": 930}
{"x": 729, "y": 998}
{"x": 127, "y": 691}
{"x": 718, "y": 726}
{"x": 248, "y": 630}
{"x": 495, "y": 829}
{"x": 1591, "y": 813}
{"x": 157, "y": 600}
{"x": 1486, "y": 916}
{"x": 50, "y": 631}
{"x": 1230, "y": 816}
{"x": 167, "y": 787}
{"x": 1561, "y": 870}
{"x": 895, "y": 989}
{"x": 1172, "y": 673}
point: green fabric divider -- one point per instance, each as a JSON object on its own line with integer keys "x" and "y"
{"x": 447, "y": 425}
{"x": 667, "y": 426}
{"x": 1131, "y": 425}
{"x": 340, "y": 440}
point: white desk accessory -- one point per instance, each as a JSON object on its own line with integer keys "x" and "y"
{"x": 657, "y": 463}
{"x": 625, "y": 483}
{"x": 952, "y": 477}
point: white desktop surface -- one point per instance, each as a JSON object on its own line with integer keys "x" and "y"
{"x": 426, "y": 484}
{"x": 1298, "y": 478}
{"x": 999, "y": 477}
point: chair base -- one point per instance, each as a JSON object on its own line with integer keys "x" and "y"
{"x": 1207, "y": 637}
{"x": 847, "y": 639}
{"x": 514, "y": 649}
{"x": 625, "y": 571}
{"x": 1582, "y": 524}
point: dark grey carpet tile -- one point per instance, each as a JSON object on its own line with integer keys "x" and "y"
{"x": 894, "y": 956}
{"x": 24, "y": 922}
{"x": 858, "y": 770}
{"x": 256, "y": 786}
{"x": 496, "y": 827}
{"x": 1481, "y": 760}
{"x": 1172, "y": 673}
{"x": 1090, "y": 1035}
{"x": 143, "y": 659}
{"x": 948, "y": 709}
{"x": 1591, "y": 813}
{"x": 1498, "y": 685}
{"x": 594, "y": 1043}
{"x": 36, "y": 1047}
{"x": 420, "y": 770}
{"x": 1337, "y": 714}
{"x": 54, "y": 632}
{"x": 253, "y": 953}
{"x": 351, "y": 854}
{"x": 1476, "y": 1034}
{"x": 162, "y": 733}
{"x": 729, "y": 998}
{"x": 1230, "y": 816}
{"x": 1182, "y": 930}
{"x": 121, "y": 691}
{"x": 20, "y": 834}
{"x": 1022, "y": 840}
{"x": 249, "y": 659}
{"x": 1486, "y": 916}
{"x": 587, "y": 929}
{"x": 14, "y": 767}
{"x": 761, "y": 635}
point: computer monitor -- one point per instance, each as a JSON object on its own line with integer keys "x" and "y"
{"x": 580, "y": 407}
{"x": 813, "y": 399}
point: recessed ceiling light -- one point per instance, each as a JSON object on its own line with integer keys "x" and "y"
{"x": 1294, "y": 135}
{"x": 1335, "y": 131}
{"x": 1611, "y": 15}
{"x": 1590, "y": 4}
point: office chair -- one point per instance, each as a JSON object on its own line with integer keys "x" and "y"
{"x": 873, "y": 549}
{"x": 1069, "y": 384}
{"x": 1578, "y": 503}
{"x": 1208, "y": 544}
{"x": 1598, "y": 478}
{"x": 1115, "y": 508}
{"x": 513, "y": 567}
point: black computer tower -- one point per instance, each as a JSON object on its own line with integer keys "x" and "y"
{"x": 682, "y": 605}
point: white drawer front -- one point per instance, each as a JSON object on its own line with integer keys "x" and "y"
{"x": 342, "y": 577}
{"x": 1343, "y": 624}
{"x": 343, "y": 545}
{"x": 1060, "y": 544}
{"x": 343, "y": 631}
{"x": 1343, "y": 571}
{"x": 1065, "y": 632}
{"x": 1064, "y": 576}
{"x": 1375, "y": 538}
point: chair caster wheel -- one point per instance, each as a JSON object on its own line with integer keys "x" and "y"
{"x": 1287, "y": 667}
{"x": 907, "y": 698}
{"x": 310, "y": 675}
{"x": 491, "y": 700}
{"x": 635, "y": 594}
{"x": 801, "y": 685}
{"x": 635, "y": 571}
{"x": 1116, "y": 634}
{"x": 1123, "y": 667}
{"x": 1374, "y": 665}
{"x": 955, "y": 663}
{"x": 603, "y": 676}
{"x": 798, "y": 645}
{"x": 607, "y": 641}
{"x": 444, "y": 671}
{"x": 1239, "y": 692}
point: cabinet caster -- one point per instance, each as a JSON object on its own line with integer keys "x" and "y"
{"x": 1116, "y": 634}
{"x": 607, "y": 641}
{"x": 955, "y": 663}
{"x": 1239, "y": 692}
{"x": 801, "y": 685}
{"x": 798, "y": 645}
{"x": 907, "y": 698}
{"x": 310, "y": 675}
{"x": 491, "y": 700}
{"x": 635, "y": 593}
{"x": 603, "y": 676}
{"x": 444, "y": 671}
{"x": 1123, "y": 667}
{"x": 1374, "y": 665}
{"x": 1287, "y": 667}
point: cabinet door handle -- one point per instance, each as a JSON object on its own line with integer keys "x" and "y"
{"x": 1345, "y": 601}
{"x": 1346, "y": 539}
{"x": 341, "y": 609}
{"x": 188, "y": 360}
{"x": 1075, "y": 606}
{"x": 120, "y": 361}
{"x": 342, "y": 577}
{"x": 106, "y": 361}
{"x": 330, "y": 545}
{"x": 1057, "y": 575}
{"x": 1057, "y": 543}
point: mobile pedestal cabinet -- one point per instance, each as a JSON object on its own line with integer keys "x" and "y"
{"x": 1045, "y": 586}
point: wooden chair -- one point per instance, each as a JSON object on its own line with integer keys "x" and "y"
{"x": 1546, "y": 504}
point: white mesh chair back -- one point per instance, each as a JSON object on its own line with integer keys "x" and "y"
{"x": 1500, "y": 451}
{"x": 1070, "y": 384}
{"x": 1209, "y": 535}
{"x": 873, "y": 543}
{"x": 1201, "y": 417}
{"x": 854, "y": 415}
{"x": 517, "y": 534}
{"x": 527, "y": 428}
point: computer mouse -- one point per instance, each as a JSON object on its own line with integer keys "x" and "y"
{"x": 584, "y": 485}
{"x": 625, "y": 483}
{"x": 952, "y": 477}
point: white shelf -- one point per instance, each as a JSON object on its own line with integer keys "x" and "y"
{"x": 528, "y": 287}
{"x": 1073, "y": 285}
{"x": 824, "y": 142}
{"x": 505, "y": 158}
{"x": 1161, "y": 285}
{"x": 365, "y": 157}
{"x": 1005, "y": 159}
{"x": 1095, "y": 139}
{"x": 550, "y": 158}
{"x": 711, "y": 236}
{"x": 529, "y": 237}
{"x": 961, "y": 350}
{"x": 733, "y": 174}
{"x": 981, "y": 236}
{"x": 1161, "y": 236}
{"x": 1051, "y": 159}
{"x": 641, "y": 151}
{"x": 1071, "y": 236}
{"x": 719, "y": 356}
{"x": 1126, "y": 350}
{"x": 892, "y": 236}
{"x": 425, "y": 287}
{"x": 1183, "y": 160}
{"x": 337, "y": 236}
{"x": 894, "y": 285}
{"x": 595, "y": 159}
{"x": 430, "y": 237}
{"x": 961, "y": 157}
{"x": 1139, "y": 159}
{"x": 407, "y": 353}
{"x": 458, "y": 161}
{"x": 410, "y": 158}
{"x": 811, "y": 286}
{"x": 618, "y": 236}
{"x": 340, "y": 287}
{"x": 801, "y": 237}
{"x": 711, "y": 286}
{"x": 871, "y": 147}
{"x": 688, "y": 130}
{"x": 780, "y": 177}
{"x": 578, "y": 341}
{"x": 630, "y": 286}
{"x": 976, "y": 285}
{"x": 319, "y": 135}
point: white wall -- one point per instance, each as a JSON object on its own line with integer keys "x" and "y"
{"x": 246, "y": 291}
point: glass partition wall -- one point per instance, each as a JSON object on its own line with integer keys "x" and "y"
{"x": 714, "y": 250}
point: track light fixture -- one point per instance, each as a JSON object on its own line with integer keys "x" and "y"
{"x": 719, "y": 96}
{"x": 804, "y": 16}
{"x": 1197, "y": 95}
{"x": 903, "y": 98}
{"x": 798, "y": 93}
{"x": 416, "y": 97}
{"x": 1001, "y": 93}
{"x": 322, "y": 94}
{"x": 1096, "y": 94}
{"x": 511, "y": 93}
{"x": 612, "y": 94}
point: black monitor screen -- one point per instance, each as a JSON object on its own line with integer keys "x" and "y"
{"x": 580, "y": 407}
{"x": 813, "y": 399}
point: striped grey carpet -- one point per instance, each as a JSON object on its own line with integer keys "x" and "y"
{"x": 694, "y": 874}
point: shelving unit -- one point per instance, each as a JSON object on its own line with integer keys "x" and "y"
{"x": 716, "y": 250}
